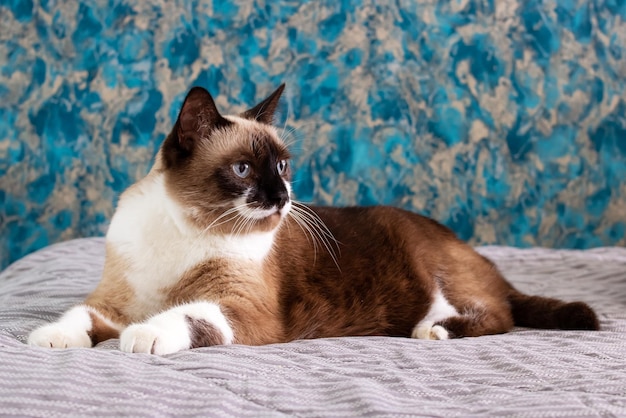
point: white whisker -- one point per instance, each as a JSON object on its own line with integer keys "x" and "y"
{"x": 231, "y": 211}
{"x": 318, "y": 221}
{"x": 306, "y": 230}
{"x": 317, "y": 229}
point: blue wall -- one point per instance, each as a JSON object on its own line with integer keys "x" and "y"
{"x": 504, "y": 119}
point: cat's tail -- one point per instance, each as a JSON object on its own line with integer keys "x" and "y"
{"x": 547, "y": 313}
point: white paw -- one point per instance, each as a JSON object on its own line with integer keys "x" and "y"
{"x": 59, "y": 336}
{"x": 149, "y": 339}
{"x": 426, "y": 330}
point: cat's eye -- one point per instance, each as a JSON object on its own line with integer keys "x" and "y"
{"x": 241, "y": 169}
{"x": 281, "y": 166}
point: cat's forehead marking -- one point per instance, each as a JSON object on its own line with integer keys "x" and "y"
{"x": 257, "y": 136}
{"x": 258, "y": 144}
{"x": 250, "y": 127}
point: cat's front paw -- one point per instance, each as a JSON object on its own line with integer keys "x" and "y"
{"x": 148, "y": 339}
{"x": 426, "y": 330}
{"x": 59, "y": 336}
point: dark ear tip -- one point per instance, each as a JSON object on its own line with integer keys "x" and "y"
{"x": 280, "y": 89}
{"x": 198, "y": 91}
{"x": 277, "y": 93}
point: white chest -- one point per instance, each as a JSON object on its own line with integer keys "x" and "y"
{"x": 150, "y": 231}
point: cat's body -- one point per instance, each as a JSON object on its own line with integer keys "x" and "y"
{"x": 209, "y": 248}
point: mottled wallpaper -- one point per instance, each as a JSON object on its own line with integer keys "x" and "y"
{"x": 503, "y": 119}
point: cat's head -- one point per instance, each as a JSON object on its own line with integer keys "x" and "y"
{"x": 230, "y": 173}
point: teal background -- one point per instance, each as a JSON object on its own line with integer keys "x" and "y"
{"x": 504, "y": 119}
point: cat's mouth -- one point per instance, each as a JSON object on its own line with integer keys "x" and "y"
{"x": 274, "y": 213}
{"x": 260, "y": 213}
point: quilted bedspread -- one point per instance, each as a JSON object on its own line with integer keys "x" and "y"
{"x": 523, "y": 373}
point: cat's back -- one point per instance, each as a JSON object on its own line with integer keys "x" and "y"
{"x": 349, "y": 234}
{"x": 383, "y": 222}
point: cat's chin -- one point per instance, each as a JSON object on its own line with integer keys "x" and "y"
{"x": 269, "y": 223}
{"x": 258, "y": 225}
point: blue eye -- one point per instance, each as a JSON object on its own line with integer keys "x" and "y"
{"x": 241, "y": 169}
{"x": 281, "y": 166}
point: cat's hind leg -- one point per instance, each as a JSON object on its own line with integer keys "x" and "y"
{"x": 472, "y": 322}
{"x": 81, "y": 326}
{"x": 476, "y": 322}
{"x": 428, "y": 328}
{"x": 476, "y": 318}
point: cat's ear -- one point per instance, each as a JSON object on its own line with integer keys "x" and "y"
{"x": 198, "y": 115}
{"x": 264, "y": 111}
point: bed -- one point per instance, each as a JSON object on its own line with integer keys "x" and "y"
{"x": 523, "y": 373}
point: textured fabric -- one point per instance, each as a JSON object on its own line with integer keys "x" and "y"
{"x": 504, "y": 119}
{"x": 526, "y": 373}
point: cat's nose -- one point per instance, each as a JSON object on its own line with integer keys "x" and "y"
{"x": 279, "y": 199}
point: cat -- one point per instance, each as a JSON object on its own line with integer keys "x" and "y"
{"x": 210, "y": 248}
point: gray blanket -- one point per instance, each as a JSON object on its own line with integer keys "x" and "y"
{"x": 523, "y": 373}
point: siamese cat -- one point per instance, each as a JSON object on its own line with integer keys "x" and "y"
{"x": 211, "y": 248}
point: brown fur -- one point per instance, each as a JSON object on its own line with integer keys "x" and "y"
{"x": 376, "y": 275}
{"x": 100, "y": 330}
{"x": 390, "y": 262}
{"x": 203, "y": 333}
{"x": 249, "y": 303}
{"x": 113, "y": 297}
